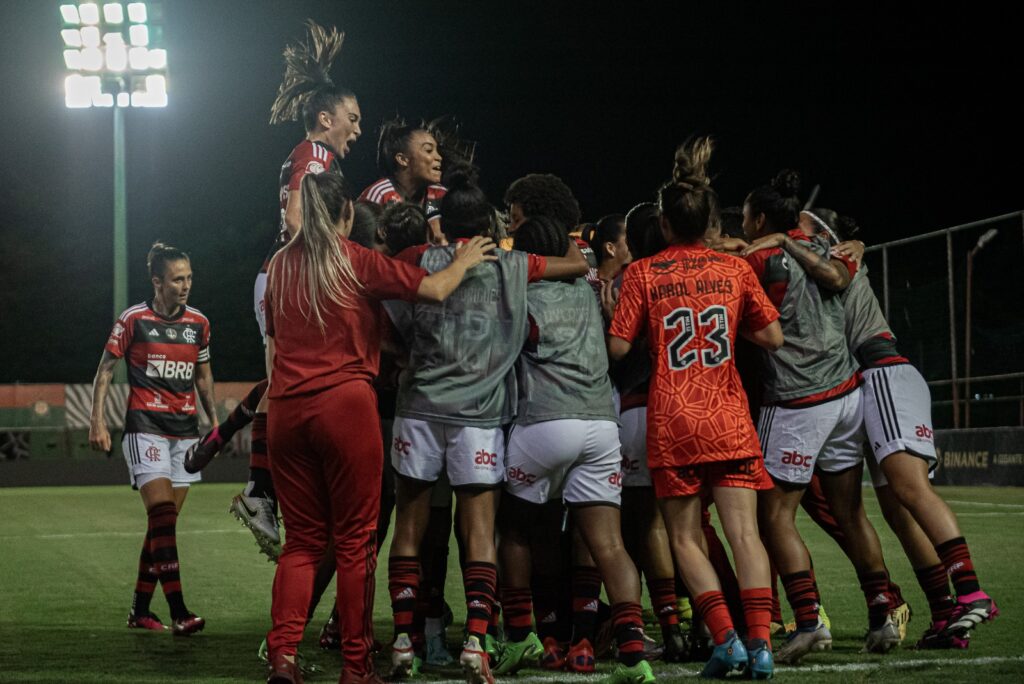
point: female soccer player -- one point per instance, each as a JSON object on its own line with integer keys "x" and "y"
{"x": 454, "y": 396}
{"x": 166, "y": 344}
{"x": 323, "y": 350}
{"x": 409, "y": 158}
{"x": 811, "y": 417}
{"x": 692, "y": 302}
{"x": 565, "y": 445}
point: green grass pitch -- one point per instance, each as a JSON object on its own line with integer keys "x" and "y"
{"x": 68, "y": 559}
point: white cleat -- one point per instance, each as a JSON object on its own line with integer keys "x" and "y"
{"x": 883, "y": 639}
{"x": 403, "y": 658}
{"x": 257, "y": 513}
{"x": 475, "y": 664}
{"x": 802, "y": 642}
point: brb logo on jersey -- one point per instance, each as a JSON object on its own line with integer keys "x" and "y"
{"x": 189, "y": 335}
{"x": 153, "y": 454}
{"x": 169, "y": 370}
{"x": 486, "y": 458}
{"x": 521, "y": 476}
{"x": 795, "y": 458}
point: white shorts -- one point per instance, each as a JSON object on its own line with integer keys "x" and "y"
{"x": 633, "y": 435}
{"x": 898, "y": 415}
{"x": 422, "y": 450}
{"x": 829, "y": 436}
{"x": 151, "y": 457}
{"x": 258, "y": 291}
{"x": 577, "y": 459}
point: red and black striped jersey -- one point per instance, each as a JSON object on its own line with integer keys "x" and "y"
{"x": 307, "y": 157}
{"x": 384, "y": 192}
{"x": 162, "y": 354}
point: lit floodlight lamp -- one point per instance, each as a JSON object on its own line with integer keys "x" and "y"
{"x": 79, "y": 91}
{"x": 90, "y": 13}
{"x": 138, "y": 58}
{"x": 113, "y": 39}
{"x": 91, "y": 37}
{"x": 70, "y": 14}
{"x": 117, "y": 57}
{"x": 103, "y": 100}
{"x": 137, "y": 12}
{"x": 92, "y": 59}
{"x": 139, "y": 34}
{"x": 124, "y": 100}
{"x": 113, "y": 13}
{"x": 73, "y": 59}
{"x": 158, "y": 59}
{"x": 72, "y": 37}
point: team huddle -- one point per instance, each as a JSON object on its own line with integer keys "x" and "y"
{"x": 585, "y": 392}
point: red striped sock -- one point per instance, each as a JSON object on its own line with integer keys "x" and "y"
{"x": 517, "y": 604}
{"x": 935, "y": 584}
{"x": 957, "y": 558}
{"x": 404, "y": 587}
{"x": 875, "y": 586}
{"x": 147, "y": 578}
{"x": 163, "y": 545}
{"x": 715, "y": 613}
{"x": 804, "y": 599}
{"x": 258, "y": 454}
{"x": 545, "y": 607}
{"x": 480, "y": 581}
{"x": 586, "y": 595}
{"x": 663, "y": 601}
{"x": 757, "y": 606}
{"x": 628, "y": 624}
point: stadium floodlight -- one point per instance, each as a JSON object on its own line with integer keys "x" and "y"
{"x": 113, "y": 13}
{"x": 115, "y": 58}
{"x": 72, "y": 37}
{"x": 89, "y": 12}
{"x": 137, "y": 12}
{"x": 139, "y": 34}
{"x": 70, "y": 14}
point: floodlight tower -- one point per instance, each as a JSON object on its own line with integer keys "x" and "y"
{"x": 115, "y": 58}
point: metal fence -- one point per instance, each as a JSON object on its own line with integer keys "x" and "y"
{"x": 955, "y": 300}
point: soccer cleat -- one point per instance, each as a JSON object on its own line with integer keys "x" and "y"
{"x": 190, "y": 624}
{"x": 404, "y": 661}
{"x": 202, "y": 452}
{"x": 804, "y": 641}
{"x": 728, "y": 656}
{"x": 492, "y": 647}
{"x": 257, "y": 513}
{"x": 652, "y": 649}
{"x": 368, "y": 678}
{"x": 641, "y": 673}
{"x": 580, "y": 657}
{"x": 901, "y": 615}
{"x": 475, "y": 663}
{"x": 760, "y": 664}
{"x": 146, "y": 621}
{"x": 936, "y": 637}
{"x": 515, "y": 655}
{"x": 284, "y": 670}
{"x": 677, "y": 645}
{"x": 330, "y": 636}
{"x": 553, "y": 657}
{"x": 883, "y": 639}
{"x": 969, "y": 614}
{"x": 791, "y": 625}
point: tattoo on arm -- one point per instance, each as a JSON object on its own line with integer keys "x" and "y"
{"x": 822, "y": 269}
{"x": 101, "y": 384}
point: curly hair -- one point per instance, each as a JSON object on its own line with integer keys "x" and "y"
{"x": 544, "y": 194}
{"x": 543, "y": 236}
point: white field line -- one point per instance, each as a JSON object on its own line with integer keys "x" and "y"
{"x": 676, "y": 671}
{"x": 991, "y": 514}
{"x": 982, "y": 503}
{"x": 77, "y": 535}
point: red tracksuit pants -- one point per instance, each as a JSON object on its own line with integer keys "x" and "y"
{"x": 327, "y": 459}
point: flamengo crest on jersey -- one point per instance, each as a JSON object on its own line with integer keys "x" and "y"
{"x": 162, "y": 355}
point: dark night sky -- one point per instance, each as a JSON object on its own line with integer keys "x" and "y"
{"x": 910, "y": 123}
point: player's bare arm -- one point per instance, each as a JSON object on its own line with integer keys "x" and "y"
{"x": 609, "y": 299}
{"x": 618, "y": 347}
{"x": 730, "y": 245}
{"x": 99, "y": 436}
{"x": 293, "y": 213}
{"x": 204, "y": 387}
{"x": 851, "y": 249}
{"x": 829, "y": 273}
{"x": 437, "y": 286}
{"x": 572, "y": 265}
{"x": 769, "y": 337}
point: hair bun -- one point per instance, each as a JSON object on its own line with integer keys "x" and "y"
{"x": 787, "y": 183}
{"x": 461, "y": 175}
{"x": 691, "y": 162}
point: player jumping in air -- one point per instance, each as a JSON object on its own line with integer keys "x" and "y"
{"x": 166, "y": 344}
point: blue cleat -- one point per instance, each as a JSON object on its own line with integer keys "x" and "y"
{"x": 761, "y": 664}
{"x": 727, "y": 656}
